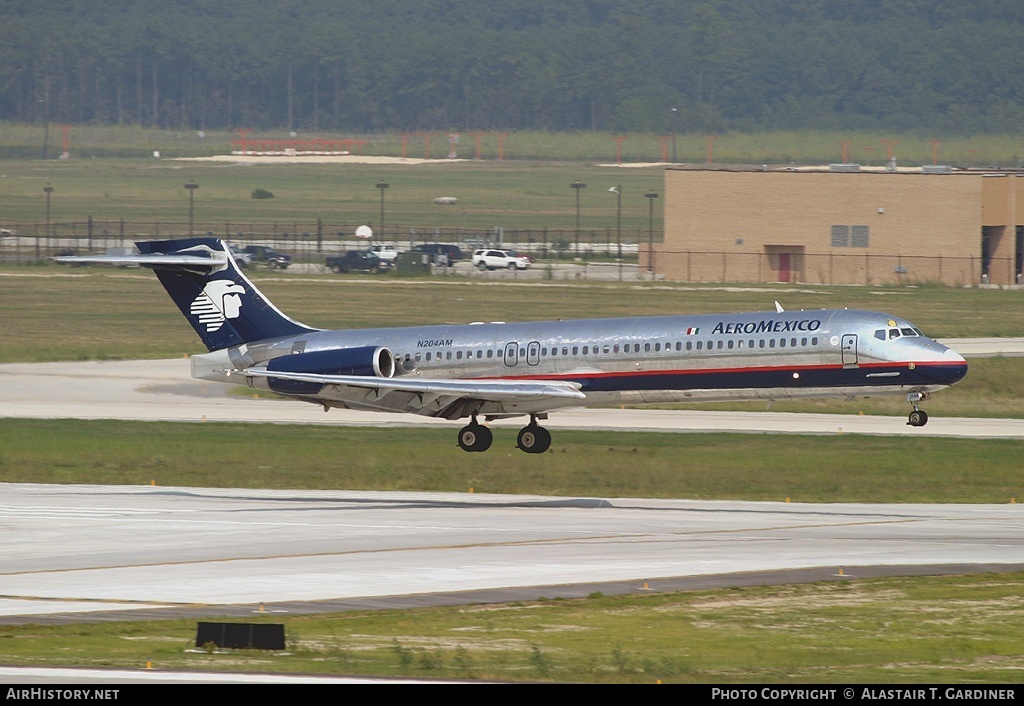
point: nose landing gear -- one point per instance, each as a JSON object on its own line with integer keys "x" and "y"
{"x": 917, "y": 418}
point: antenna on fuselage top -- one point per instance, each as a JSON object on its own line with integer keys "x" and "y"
{"x": 778, "y": 308}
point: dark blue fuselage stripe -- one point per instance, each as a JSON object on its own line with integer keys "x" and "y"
{"x": 728, "y": 379}
{"x": 766, "y": 378}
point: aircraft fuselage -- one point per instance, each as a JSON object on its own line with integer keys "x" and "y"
{"x": 822, "y": 353}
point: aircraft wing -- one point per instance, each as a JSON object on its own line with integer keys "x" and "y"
{"x": 448, "y": 398}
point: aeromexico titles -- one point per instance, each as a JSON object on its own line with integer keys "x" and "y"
{"x": 487, "y": 371}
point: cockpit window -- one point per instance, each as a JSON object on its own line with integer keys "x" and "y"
{"x": 894, "y": 333}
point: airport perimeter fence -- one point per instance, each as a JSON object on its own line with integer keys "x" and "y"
{"x": 310, "y": 241}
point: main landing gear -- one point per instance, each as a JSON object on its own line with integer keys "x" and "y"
{"x": 917, "y": 418}
{"x": 533, "y": 438}
{"x": 475, "y": 437}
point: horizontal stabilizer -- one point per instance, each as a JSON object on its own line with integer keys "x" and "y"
{"x": 187, "y": 262}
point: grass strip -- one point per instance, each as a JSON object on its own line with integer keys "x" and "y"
{"x": 938, "y": 630}
{"x": 841, "y": 468}
{"x": 59, "y": 313}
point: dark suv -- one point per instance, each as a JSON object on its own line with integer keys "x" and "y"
{"x": 357, "y": 261}
{"x": 268, "y": 256}
{"x": 440, "y": 250}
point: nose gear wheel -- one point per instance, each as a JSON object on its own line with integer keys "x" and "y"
{"x": 917, "y": 418}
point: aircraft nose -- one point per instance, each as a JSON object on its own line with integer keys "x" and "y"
{"x": 952, "y": 356}
{"x": 953, "y": 367}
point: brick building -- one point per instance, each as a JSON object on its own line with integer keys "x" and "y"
{"x": 839, "y": 227}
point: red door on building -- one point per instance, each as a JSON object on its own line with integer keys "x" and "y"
{"x": 784, "y": 267}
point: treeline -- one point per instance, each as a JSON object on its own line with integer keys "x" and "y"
{"x": 943, "y": 66}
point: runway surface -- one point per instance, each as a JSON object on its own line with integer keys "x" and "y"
{"x": 150, "y": 551}
{"x": 115, "y": 551}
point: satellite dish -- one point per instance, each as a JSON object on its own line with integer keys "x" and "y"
{"x": 364, "y": 232}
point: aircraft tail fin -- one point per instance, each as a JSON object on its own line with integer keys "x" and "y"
{"x": 220, "y": 302}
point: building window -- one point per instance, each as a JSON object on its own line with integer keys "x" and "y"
{"x": 850, "y": 236}
{"x": 859, "y": 236}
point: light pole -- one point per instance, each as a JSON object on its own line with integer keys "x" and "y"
{"x": 46, "y": 122}
{"x": 191, "y": 186}
{"x": 576, "y": 186}
{"x": 382, "y": 185}
{"x": 675, "y": 114}
{"x": 47, "y": 190}
{"x": 650, "y": 196}
{"x": 617, "y": 190}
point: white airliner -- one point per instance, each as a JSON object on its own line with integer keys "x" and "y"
{"x": 497, "y": 370}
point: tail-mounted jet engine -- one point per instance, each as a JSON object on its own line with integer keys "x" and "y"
{"x": 369, "y": 361}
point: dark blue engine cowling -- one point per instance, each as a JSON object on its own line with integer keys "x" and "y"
{"x": 369, "y": 361}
